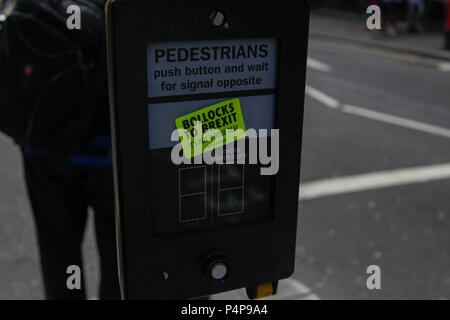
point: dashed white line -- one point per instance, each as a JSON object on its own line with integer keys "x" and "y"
{"x": 444, "y": 66}
{"x": 304, "y": 291}
{"x": 376, "y": 115}
{"x": 322, "y": 97}
{"x": 375, "y": 180}
{"x": 293, "y": 289}
{"x": 288, "y": 289}
{"x": 318, "y": 65}
{"x": 412, "y": 58}
{"x": 395, "y": 120}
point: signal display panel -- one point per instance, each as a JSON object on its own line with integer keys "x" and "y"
{"x": 183, "y": 77}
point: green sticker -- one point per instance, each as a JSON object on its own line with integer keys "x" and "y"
{"x": 211, "y": 127}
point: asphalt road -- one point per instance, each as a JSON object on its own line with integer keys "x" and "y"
{"x": 404, "y": 229}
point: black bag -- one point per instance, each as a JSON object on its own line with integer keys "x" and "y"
{"x": 50, "y": 75}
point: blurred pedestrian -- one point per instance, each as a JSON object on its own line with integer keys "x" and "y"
{"x": 54, "y": 104}
{"x": 416, "y": 10}
{"x": 390, "y": 16}
{"x": 447, "y": 27}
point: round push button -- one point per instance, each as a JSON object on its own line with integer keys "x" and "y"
{"x": 219, "y": 271}
{"x": 216, "y": 268}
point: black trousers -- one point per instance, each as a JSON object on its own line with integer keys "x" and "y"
{"x": 60, "y": 195}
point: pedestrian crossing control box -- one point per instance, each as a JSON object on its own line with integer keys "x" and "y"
{"x": 198, "y": 214}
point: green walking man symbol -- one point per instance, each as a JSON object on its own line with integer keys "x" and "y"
{"x": 231, "y": 204}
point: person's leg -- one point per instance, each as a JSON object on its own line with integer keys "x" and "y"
{"x": 412, "y": 16}
{"x": 60, "y": 217}
{"x": 99, "y": 192}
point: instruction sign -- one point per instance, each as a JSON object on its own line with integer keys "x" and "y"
{"x": 198, "y": 67}
{"x": 202, "y": 89}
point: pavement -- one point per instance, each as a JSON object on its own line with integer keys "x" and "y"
{"x": 352, "y": 28}
{"x": 375, "y": 181}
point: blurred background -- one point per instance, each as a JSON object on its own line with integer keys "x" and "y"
{"x": 375, "y": 178}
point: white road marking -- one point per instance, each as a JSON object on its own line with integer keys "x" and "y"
{"x": 444, "y": 66}
{"x": 392, "y": 53}
{"x": 318, "y": 65}
{"x": 375, "y": 180}
{"x": 376, "y": 115}
{"x": 288, "y": 289}
{"x": 293, "y": 289}
{"x": 399, "y": 121}
{"x": 305, "y": 292}
{"x": 322, "y": 97}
